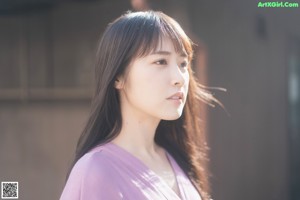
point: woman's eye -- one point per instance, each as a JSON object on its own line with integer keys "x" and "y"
{"x": 161, "y": 62}
{"x": 183, "y": 64}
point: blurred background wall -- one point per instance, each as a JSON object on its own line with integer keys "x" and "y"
{"x": 47, "y": 49}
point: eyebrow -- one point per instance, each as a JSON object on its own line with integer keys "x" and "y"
{"x": 183, "y": 54}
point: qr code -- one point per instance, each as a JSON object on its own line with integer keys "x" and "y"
{"x": 9, "y": 190}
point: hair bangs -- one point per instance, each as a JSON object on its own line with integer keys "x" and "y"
{"x": 154, "y": 27}
{"x": 181, "y": 42}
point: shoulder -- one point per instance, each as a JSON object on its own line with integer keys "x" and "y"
{"x": 95, "y": 162}
{"x": 91, "y": 178}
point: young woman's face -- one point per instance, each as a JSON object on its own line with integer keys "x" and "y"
{"x": 156, "y": 85}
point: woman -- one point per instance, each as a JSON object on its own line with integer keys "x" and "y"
{"x": 142, "y": 139}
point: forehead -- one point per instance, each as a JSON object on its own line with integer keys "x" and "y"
{"x": 166, "y": 44}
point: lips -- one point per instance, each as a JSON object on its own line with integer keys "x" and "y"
{"x": 176, "y": 96}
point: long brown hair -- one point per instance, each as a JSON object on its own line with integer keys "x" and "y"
{"x": 136, "y": 34}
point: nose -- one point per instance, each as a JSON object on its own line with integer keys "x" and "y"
{"x": 178, "y": 77}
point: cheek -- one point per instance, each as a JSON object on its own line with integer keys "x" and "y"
{"x": 186, "y": 85}
{"x": 142, "y": 85}
{"x": 186, "y": 79}
{"x": 147, "y": 90}
{"x": 146, "y": 78}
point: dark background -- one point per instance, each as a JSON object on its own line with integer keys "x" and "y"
{"x": 47, "y": 50}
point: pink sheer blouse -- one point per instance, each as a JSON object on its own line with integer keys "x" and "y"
{"x": 109, "y": 172}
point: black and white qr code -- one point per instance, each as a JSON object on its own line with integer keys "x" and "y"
{"x": 9, "y": 190}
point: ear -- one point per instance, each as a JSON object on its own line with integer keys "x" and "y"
{"x": 119, "y": 83}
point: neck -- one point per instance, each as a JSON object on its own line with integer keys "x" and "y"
{"x": 137, "y": 134}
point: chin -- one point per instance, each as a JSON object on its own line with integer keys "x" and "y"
{"x": 174, "y": 116}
